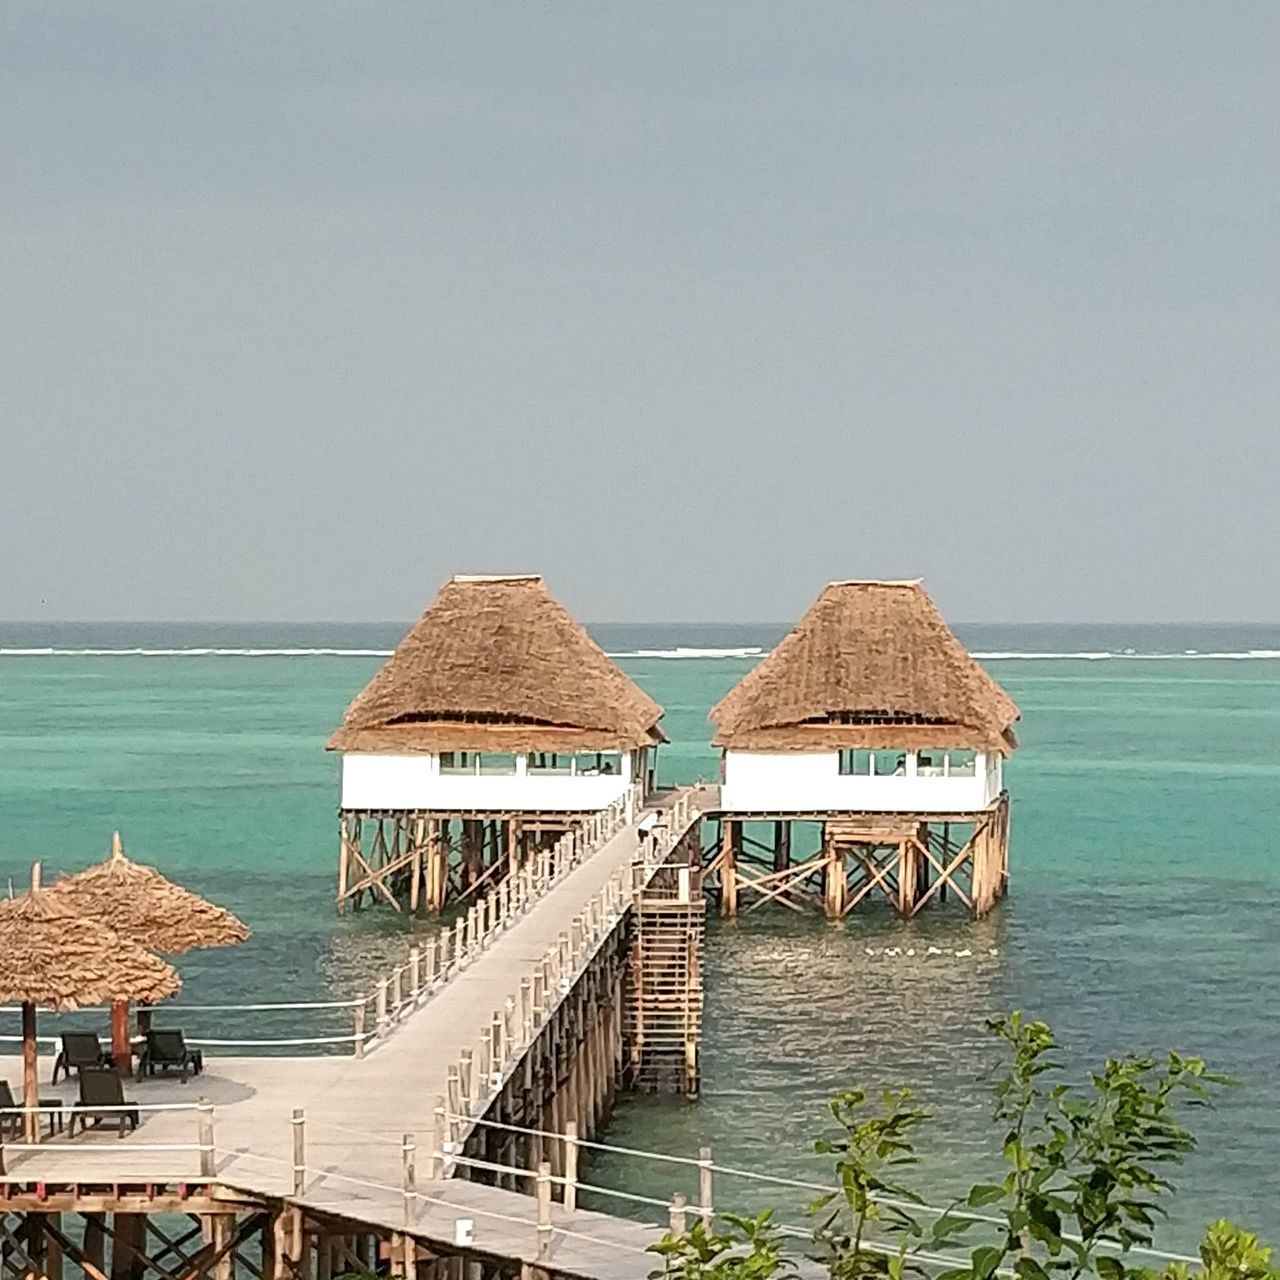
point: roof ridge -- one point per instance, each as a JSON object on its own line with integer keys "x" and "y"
{"x": 497, "y": 649}
{"x": 880, "y": 660}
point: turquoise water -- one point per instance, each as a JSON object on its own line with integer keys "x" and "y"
{"x": 1142, "y": 912}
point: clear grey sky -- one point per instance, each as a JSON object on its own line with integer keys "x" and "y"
{"x": 690, "y": 307}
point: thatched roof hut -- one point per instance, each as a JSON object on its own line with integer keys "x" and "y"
{"x": 497, "y": 664}
{"x": 871, "y": 665}
{"x": 142, "y": 905}
{"x": 51, "y": 957}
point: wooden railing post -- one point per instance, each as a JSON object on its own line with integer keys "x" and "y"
{"x": 526, "y": 1009}
{"x": 409, "y": 1178}
{"x": 441, "y": 1117}
{"x": 466, "y": 1079}
{"x": 397, "y": 993}
{"x": 704, "y": 1187}
{"x": 544, "y": 1210}
{"x": 498, "y": 1036}
{"x": 415, "y": 975}
{"x": 571, "y": 1165}
{"x": 453, "y": 1091}
{"x": 208, "y": 1153}
{"x": 380, "y": 1008}
{"x": 679, "y": 1219}
{"x": 357, "y": 1020}
{"x": 484, "y": 1066}
{"x": 432, "y": 958}
{"x": 298, "y": 1125}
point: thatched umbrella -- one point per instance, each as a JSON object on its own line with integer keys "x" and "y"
{"x": 49, "y": 956}
{"x": 142, "y": 905}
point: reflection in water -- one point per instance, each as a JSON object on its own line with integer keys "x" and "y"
{"x": 797, "y": 1010}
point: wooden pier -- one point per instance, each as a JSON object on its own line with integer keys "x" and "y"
{"x": 308, "y": 1167}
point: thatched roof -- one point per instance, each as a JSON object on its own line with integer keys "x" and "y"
{"x": 872, "y": 665}
{"x": 142, "y": 905}
{"x": 53, "y": 958}
{"x": 497, "y": 664}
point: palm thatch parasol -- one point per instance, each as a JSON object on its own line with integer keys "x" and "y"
{"x": 145, "y": 907}
{"x": 50, "y": 956}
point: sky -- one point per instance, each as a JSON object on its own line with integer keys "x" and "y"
{"x": 689, "y": 307}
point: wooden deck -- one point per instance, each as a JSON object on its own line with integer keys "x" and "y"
{"x": 357, "y": 1111}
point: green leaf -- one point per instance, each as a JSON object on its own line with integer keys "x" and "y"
{"x": 984, "y": 1193}
{"x": 985, "y": 1260}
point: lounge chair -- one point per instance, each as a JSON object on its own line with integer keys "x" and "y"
{"x": 79, "y": 1049}
{"x": 11, "y": 1120}
{"x": 100, "y": 1088}
{"x": 168, "y": 1051}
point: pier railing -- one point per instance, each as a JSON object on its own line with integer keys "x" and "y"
{"x": 19, "y": 1125}
{"x": 480, "y": 1073}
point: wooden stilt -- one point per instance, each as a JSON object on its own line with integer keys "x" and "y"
{"x": 906, "y": 877}
{"x": 419, "y": 839}
{"x": 730, "y": 834}
{"x": 781, "y": 845}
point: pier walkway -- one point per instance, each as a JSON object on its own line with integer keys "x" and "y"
{"x": 478, "y": 1008}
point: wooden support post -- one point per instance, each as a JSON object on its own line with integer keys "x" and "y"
{"x": 53, "y": 1247}
{"x": 437, "y": 872}
{"x": 834, "y": 876}
{"x": 344, "y": 859}
{"x": 357, "y": 1028}
{"x": 220, "y": 1238}
{"x": 95, "y": 1242}
{"x": 121, "y": 1049}
{"x": 782, "y": 844}
{"x": 418, "y": 840}
{"x": 946, "y": 857}
{"x": 730, "y": 834}
{"x": 127, "y": 1246}
{"x": 30, "y": 1075}
{"x": 907, "y": 854}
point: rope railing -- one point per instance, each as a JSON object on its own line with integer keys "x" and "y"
{"x": 708, "y": 1170}
{"x": 62, "y": 1115}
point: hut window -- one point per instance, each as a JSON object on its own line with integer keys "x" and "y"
{"x": 961, "y": 764}
{"x": 594, "y": 763}
{"x": 497, "y": 762}
{"x": 457, "y": 762}
{"x": 858, "y": 762}
{"x": 550, "y": 762}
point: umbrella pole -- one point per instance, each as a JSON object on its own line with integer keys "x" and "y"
{"x": 121, "y": 1050}
{"x": 30, "y": 1074}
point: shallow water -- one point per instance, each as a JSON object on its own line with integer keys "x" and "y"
{"x": 1141, "y": 916}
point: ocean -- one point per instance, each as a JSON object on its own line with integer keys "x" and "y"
{"x": 1146, "y": 876}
